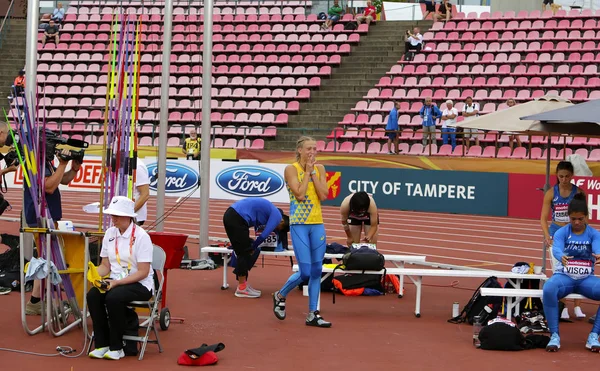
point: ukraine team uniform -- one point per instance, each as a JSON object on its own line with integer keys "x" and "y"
{"x": 577, "y": 276}
{"x": 309, "y": 240}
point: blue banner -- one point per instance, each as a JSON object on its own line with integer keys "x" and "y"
{"x": 458, "y": 192}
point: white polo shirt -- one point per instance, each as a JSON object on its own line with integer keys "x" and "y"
{"x": 141, "y": 252}
{"x": 471, "y": 108}
{"x": 447, "y": 112}
{"x": 141, "y": 178}
{"x": 414, "y": 41}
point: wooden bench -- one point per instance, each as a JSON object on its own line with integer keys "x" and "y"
{"x": 518, "y": 295}
{"x": 397, "y": 260}
{"x": 416, "y": 276}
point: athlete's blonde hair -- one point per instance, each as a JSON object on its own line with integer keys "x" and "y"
{"x": 300, "y": 143}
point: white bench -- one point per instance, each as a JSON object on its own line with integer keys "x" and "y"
{"x": 397, "y": 260}
{"x": 518, "y": 295}
{"x": 416, "y": 276}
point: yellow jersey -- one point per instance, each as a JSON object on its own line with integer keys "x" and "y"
{"x": 309, "y": 210}
{"x": 192, "y": 145}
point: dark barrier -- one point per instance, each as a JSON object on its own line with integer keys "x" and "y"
{"x": 525, "y": 200}
{"x": 423, "y": 190}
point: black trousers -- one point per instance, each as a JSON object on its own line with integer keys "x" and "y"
{"x": 238, "y": 232}
{"x": 408, "y": 46}
{"x": 108, "y": 312}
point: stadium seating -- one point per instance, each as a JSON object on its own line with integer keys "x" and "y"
{"x": 266, "y": 60}
{"x": 491, "y": 58}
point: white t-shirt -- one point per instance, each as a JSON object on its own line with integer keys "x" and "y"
{"x": 141, "y": 253}
{"x": 141, "y": 178}
{"x": 416, "y": 40}
{"x": 471, "y": 108}
{"x": 447, "y": 112}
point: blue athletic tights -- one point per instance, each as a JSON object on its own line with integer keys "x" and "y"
{"x": 561, "y": 285}
{"x": 309, "y": 248}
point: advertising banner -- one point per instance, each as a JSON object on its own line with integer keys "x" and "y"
{"x": 422, "y": 190}
{"x": 525, "y": 197}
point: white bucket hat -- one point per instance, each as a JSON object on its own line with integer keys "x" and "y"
{"x": 121, "y": 206}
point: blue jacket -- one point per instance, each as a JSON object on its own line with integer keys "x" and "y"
{"x": 430, "y": 114}
{"x": 392, "y": 123}
{"x": 258, "y": 212}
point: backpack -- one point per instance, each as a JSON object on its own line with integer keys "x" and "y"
{"x": 501, "y": 335}
{"x": 350, "y": 26}
{"x": 487, "y": 307}
{"x": 363, "y": 259}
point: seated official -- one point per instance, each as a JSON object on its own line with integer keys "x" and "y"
{"x": 126, "y": 258}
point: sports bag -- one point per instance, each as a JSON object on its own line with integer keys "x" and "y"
{"x": 363, "y": 259}
{"x": 486, "y": 307}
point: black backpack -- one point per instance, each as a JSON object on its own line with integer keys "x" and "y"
{"x": 350, "y": 26}
{"x": 486, "y": 307}
{"x": 363, "y": 259}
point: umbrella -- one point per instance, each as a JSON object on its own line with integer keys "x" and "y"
{"x": 571, "y": 116}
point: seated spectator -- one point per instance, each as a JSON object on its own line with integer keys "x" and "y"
{"x": 333, "y": 15}
{"x": 444, "y": 12}
{"x": 59, "y": 13}
{"x": 191, "y": 146}
{"x": 430, "y": 114}
{"x": 469, "y": 111}
{"x": 370, "y": 14}
{"x": 126, "y": 258}
{"x": 414, "y": 43}
{"x": 18, "y": 87}
{"x": 449, "y": 116}
{"x": 429, "y": 8}
{"x": 51, "y": 33}
{"x": 513, "y": 137}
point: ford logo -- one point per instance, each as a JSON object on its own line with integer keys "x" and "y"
{"x": 179, "y": 178}
{"x": 249, "y": 181}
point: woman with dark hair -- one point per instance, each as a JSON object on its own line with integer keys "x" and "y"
{"x": 360, "y": 209}
{"x": 576, "y": 246}
{"x": 557, "y": 200}
{"x": 126, "y": 257}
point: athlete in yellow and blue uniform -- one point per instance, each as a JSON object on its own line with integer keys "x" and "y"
{"x": 307, "y": 186}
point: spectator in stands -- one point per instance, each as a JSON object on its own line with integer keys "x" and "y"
{"x": 429, "y": 8}
{"x": 369, "y": 15}
{"x": 51, "y": 33}
{"x": 444, "y": 12}
{"x": 414, "y": 43}
{"x": 576, "y": 247}
{"x": 360, "y": 209}
{"x": 449, "y": 116}
{"x": 470, "y": 110}
{"x": 392, "y": 127}
{"x": 18, "y": 87}
{"x": 430, "y": 114}
{"x": 59, "y": 13}
{"x": 333, "y": 15}
{"x": 191, "y": 146}
{"x": 557, "y": 200}
{"x": 546, "y": 3}
{"x": 513, "y": 137}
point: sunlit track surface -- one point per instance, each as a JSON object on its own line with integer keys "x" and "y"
{"x": 479, "y": 241}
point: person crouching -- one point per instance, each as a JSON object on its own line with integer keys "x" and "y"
{"x": 126, "y": 256}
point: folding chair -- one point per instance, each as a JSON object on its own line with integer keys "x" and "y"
{"x": 159, "y": 258}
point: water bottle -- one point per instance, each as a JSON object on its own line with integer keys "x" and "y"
{"x": 476, "y": 330}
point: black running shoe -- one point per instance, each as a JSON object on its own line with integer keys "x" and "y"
{"x": 278, "y": 306}
{"x": 315, "y": 319}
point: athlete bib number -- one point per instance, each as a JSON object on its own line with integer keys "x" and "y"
{"x": 561, "y": 214}
{"x": 578, "y": 269}
{"x": 270, "y": 241}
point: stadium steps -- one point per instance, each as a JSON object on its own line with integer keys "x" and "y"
{"x": 358, "y": 72}
{"x": 13, "y": 58}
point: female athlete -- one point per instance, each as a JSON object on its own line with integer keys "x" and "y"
{"x": 307, "y": 185}
{"x": 576, "y": 247}
{"x": 557, "y": 199}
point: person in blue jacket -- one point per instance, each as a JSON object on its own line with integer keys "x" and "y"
{"x": 237, "y": 220}
{"x": 576, "y": 247}
{"x": 430, "y": 114}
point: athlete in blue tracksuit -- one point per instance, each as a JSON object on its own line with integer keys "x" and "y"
{"x": 576, "y": 247}
{"x": 556, "y": 200}
{"x": 239, "y": 217}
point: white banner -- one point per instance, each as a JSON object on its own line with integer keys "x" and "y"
{"x": 230, "y": 180}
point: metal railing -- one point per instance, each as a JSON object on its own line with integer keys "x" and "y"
{"x": 5, "y": 25}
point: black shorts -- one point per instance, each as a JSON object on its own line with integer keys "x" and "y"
{"x": 429, "y": 6}
{"x": 361, "y": 221}
{"x": 548, "y": 2}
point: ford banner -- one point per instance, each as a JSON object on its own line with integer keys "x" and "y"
{"x": 237, "y": 180}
